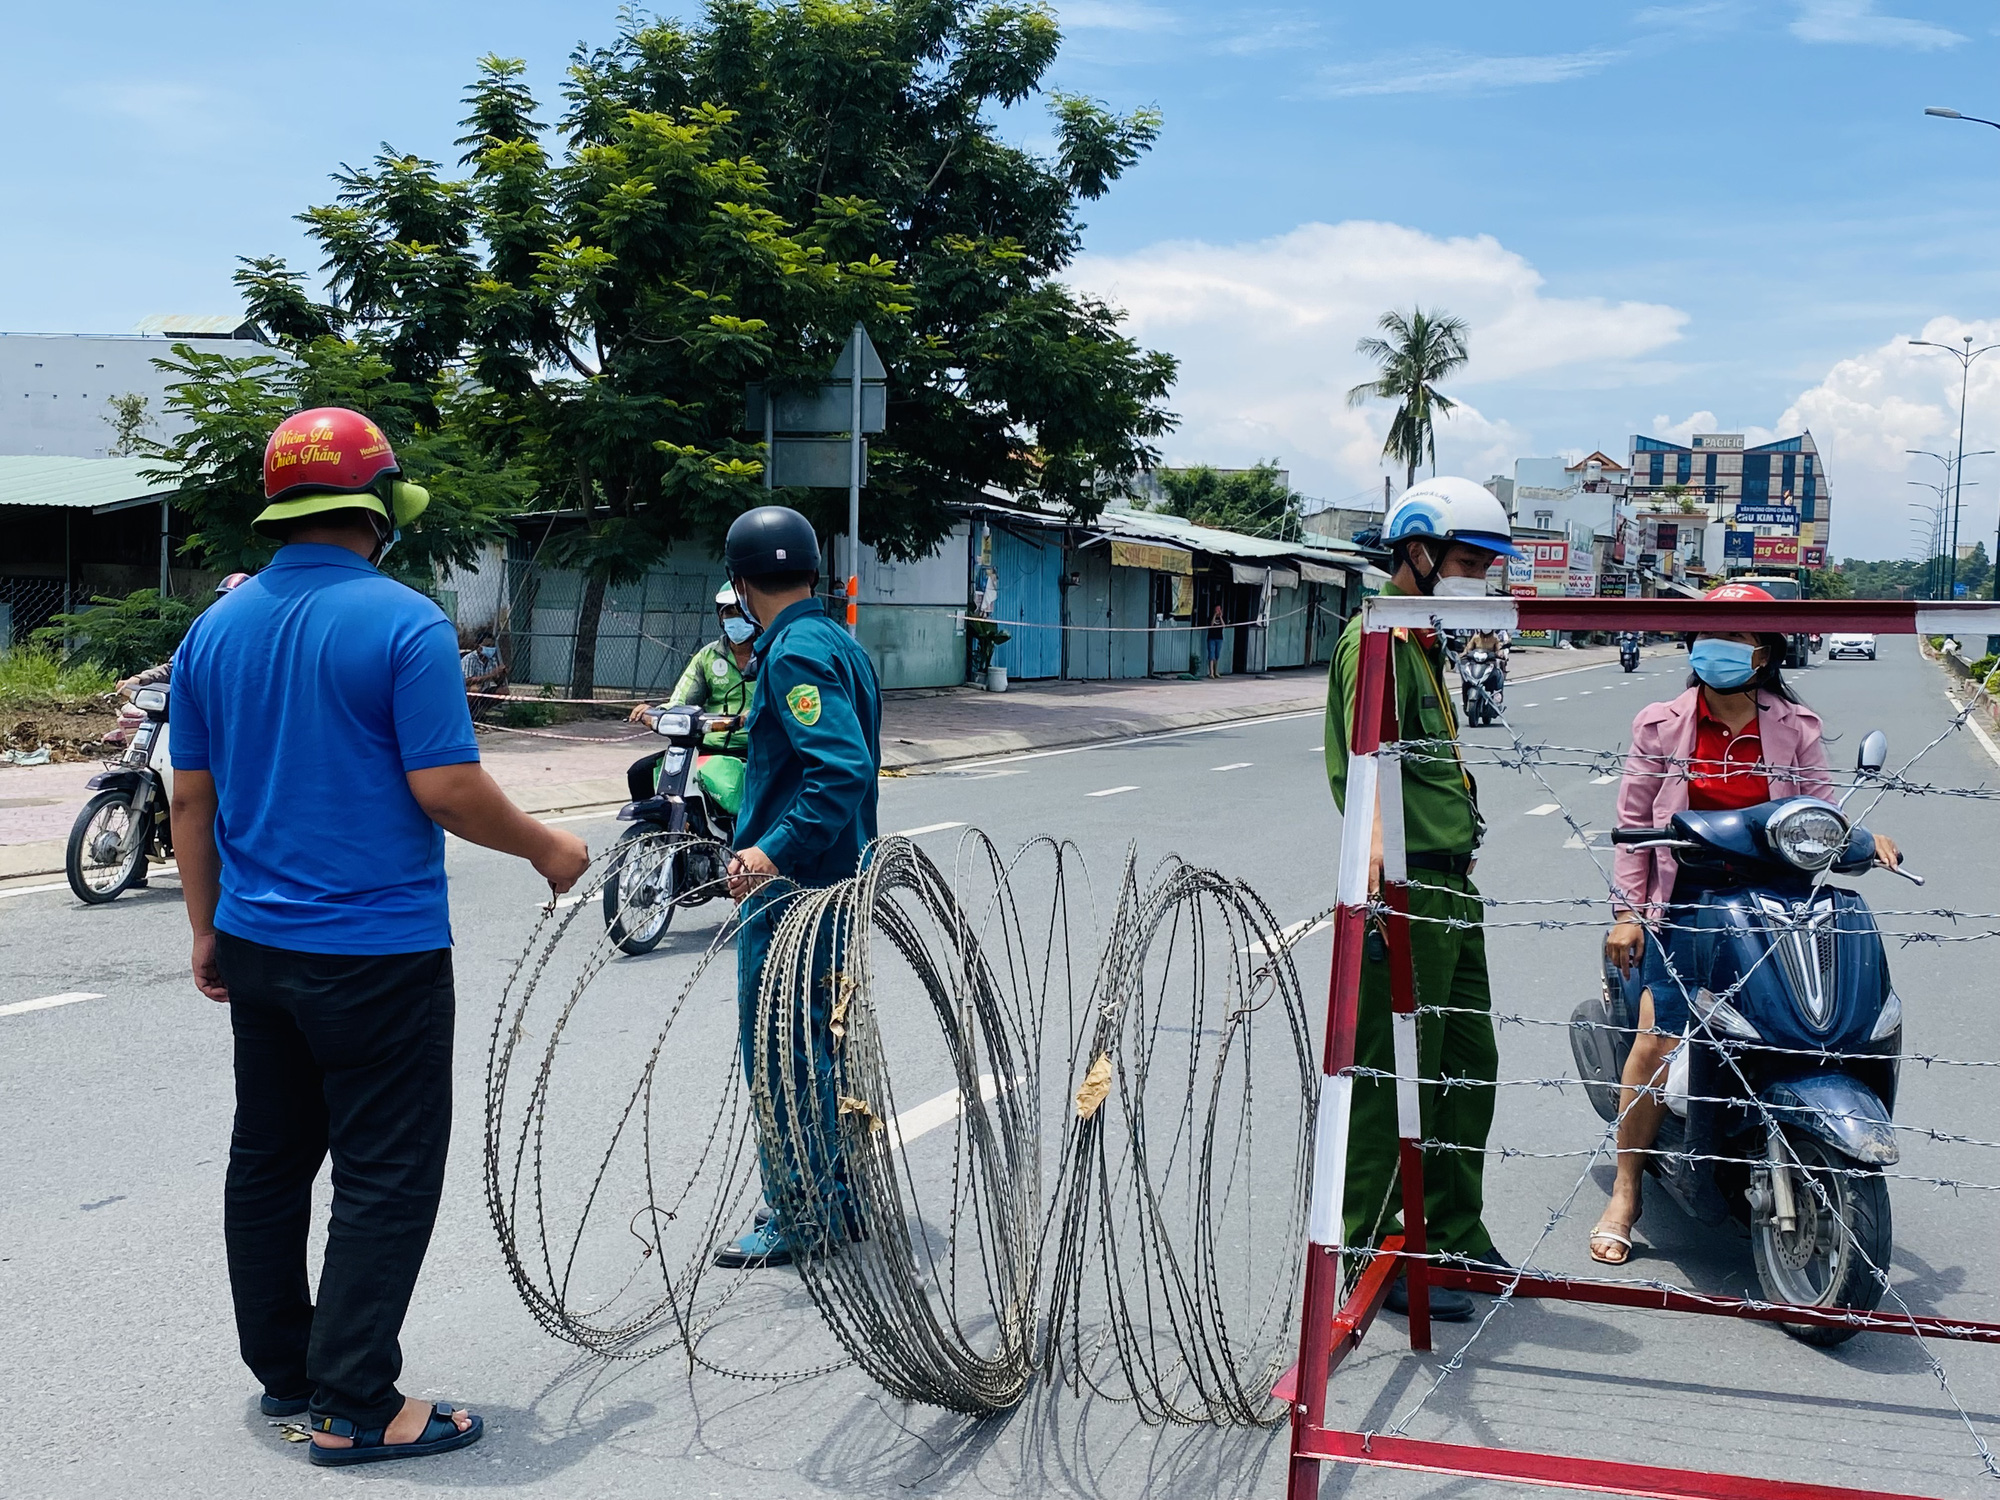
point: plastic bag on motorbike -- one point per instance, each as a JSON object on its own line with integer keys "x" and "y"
{"x": 721, "y": 776}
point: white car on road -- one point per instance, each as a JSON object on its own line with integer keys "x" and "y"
{"x": 1851, "y": 643}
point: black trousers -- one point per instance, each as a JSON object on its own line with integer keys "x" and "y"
{"x": 349, "y": 1056}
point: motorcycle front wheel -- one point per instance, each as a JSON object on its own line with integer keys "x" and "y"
{"x": 97, "y": 870}
{"x": 1843, "y": 1235}
{"x": 639, "y": 889}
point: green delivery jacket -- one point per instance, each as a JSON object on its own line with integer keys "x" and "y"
{"x": 713, "y": 683}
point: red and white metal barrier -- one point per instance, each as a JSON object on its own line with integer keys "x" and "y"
{"x": 1374, "y": 781}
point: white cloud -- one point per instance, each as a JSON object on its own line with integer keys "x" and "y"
{"x": 1682, "y": 431}
{"x": 1869, "y": 409}
{"x": 1265, "y": 332}
{"x": 1714, "y": 15}
{"x": 173, "y": 113}
{"x": 1859, "y": 21}
{"x": 1457, "y": 73}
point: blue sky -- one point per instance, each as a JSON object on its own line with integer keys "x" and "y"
{"x": 1656, "y": 217}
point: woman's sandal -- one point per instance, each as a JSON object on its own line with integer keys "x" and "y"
{"x": 1612, "y": 1236}
{"x": 440, "y": 1435}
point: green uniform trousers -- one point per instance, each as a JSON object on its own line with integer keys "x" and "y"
{"x": 1450, "y": 965}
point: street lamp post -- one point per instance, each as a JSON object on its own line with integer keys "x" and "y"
{"x": 1965, "y": 358}
{"x": 1952, "y": 114}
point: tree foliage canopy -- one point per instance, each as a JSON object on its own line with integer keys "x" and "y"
{"x": 1420, "y": 351}
{"x": 1255, "y": 501}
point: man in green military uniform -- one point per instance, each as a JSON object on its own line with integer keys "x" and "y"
{"x": 1444, "y": 535}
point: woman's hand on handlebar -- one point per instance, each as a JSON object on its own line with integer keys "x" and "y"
{"x": 1887, "y": 854}
{"x": 1626, "y": 943}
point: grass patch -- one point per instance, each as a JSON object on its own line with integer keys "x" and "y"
{"x": 34, "y": 677}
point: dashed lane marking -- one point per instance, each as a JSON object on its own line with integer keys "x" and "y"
{"x": 1234, "y": 765}
{"x": 48, "y": 1002}
{"x": 1543, "y": 811}
{"x": 910, "y": 833}
{"x": 922, "y": 1119}
{"x": 1111, "y": 791}
{"x": 1602, "y": 780}
{"x": 1289, "y": 937}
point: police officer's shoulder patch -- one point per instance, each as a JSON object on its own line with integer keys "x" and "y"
{"x": 803, "y": 701}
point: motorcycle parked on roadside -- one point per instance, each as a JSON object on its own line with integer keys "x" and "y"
{"x": 1482, "y": 681}
{"x": 1628, "y": 650}
{"x": 126, "y": 823}
{"x": 676, "y": 853}
{"x": 1780, "y": 1101}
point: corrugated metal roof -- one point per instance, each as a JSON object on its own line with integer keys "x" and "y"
{"x": 198, "y": 326}
{"x": 78, "y": 483}
{"x": 1155, "y": 526}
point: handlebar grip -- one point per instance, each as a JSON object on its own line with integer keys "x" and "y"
{"x": 1638, "y": 835}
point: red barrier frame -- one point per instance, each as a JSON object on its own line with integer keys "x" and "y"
{"x": 1327, "y": 1335}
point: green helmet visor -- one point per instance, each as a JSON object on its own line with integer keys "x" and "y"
{"x": 408, "y": 500}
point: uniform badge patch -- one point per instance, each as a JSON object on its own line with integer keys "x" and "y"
{"x": 803, "y": 701}
{"x": 719, "y": 667}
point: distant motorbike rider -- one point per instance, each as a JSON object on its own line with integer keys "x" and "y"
{"x": 715, "y": 682}
{"x": 1737, "y": 737}
{"x": 129, "y": 717}
{"x": 1443, "y": 535}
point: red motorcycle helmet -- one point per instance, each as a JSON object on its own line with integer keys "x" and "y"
{"x": 329, "y": 448}
{"x": 1739, "y": 593}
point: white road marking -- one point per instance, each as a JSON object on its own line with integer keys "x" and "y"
{"x": 922, "y": 1119}
{"x": 1290, "y": 937}
{"x": 910, "y": 833}
{"x": 1531, "y": 705}
{"x": 1597, "y": 836}
{"x": 1562, "y": 700}
{"x": 48, "y": 1002}
{"x": 1543, "y": 811}
{"x": 1234, "y": 765}
{"x": 1111, "y": 791}
{"x": 610, "y": 810}
{"x": 1602, "y": 780}
{"x": 34, "y": 890}
{"x": 563, "y": 902}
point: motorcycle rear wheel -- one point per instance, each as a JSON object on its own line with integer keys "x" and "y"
{"x": 97, "y": 873}
{"x": 1820, "y": 1263}
{"x": 639, "y": 889}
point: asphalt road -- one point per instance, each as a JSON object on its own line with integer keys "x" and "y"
{"x": 119, "y": 1376}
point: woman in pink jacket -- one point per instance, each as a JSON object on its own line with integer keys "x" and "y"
{"x": 1737, "y": 737}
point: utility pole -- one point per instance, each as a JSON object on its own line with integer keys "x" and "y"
{"x": 1965, "y": 357}
{"x": 860, "y": 338}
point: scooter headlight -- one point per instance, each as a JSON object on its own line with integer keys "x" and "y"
{"x": 1890, "y": 1021}
{"x": 673, "y": 724}
{"x": 1723, "y": 1017}
{"x": 1808, "y": 834}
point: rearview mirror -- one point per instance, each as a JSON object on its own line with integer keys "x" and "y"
{"x": 1873, "y": 754}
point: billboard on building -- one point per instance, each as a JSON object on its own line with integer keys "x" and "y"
{"x": 1812, "y": 557}
{"x": 1739, "y": 546}
{"x": 1781, "y": 550}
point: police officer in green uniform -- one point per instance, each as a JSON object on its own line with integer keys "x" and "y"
{"x": 1443, "y": 534}
{"x": 808, "y": 817}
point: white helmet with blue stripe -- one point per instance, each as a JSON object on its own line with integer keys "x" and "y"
{"x": 1451, "y": 509}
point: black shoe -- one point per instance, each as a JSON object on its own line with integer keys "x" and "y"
{"x": 1492, "y": 1260}
{"x": 282, "y": 1406}
{"x": 1447, "y": 1306}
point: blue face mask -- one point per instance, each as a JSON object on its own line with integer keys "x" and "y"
{"x": 1723, "y": 665}
{"x": 737, "y": 628}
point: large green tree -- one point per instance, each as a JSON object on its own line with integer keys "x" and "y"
{"x": 720, "y": 202}
{"x": 1420, "y": 351}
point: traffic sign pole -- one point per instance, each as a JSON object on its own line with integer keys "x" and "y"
{"x": 854, "y": 492}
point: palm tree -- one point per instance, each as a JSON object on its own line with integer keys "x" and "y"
{"x": 1421, "y": 350}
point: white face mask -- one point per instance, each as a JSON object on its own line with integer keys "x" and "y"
{"x": 1459, "y": 588}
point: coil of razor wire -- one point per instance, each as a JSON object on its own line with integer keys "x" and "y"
{"x": 1076, "y": 1204}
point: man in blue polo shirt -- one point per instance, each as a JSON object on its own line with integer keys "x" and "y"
{"x": 321, "y": 747}
{"x": 809, "y": 794}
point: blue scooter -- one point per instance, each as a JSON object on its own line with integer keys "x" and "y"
{"x": 1778, "y": 966}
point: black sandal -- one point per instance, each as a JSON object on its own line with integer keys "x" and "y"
{"x": 440, "y": 1435}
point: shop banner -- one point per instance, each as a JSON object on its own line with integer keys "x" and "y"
{"x": 1782, "y": 550}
